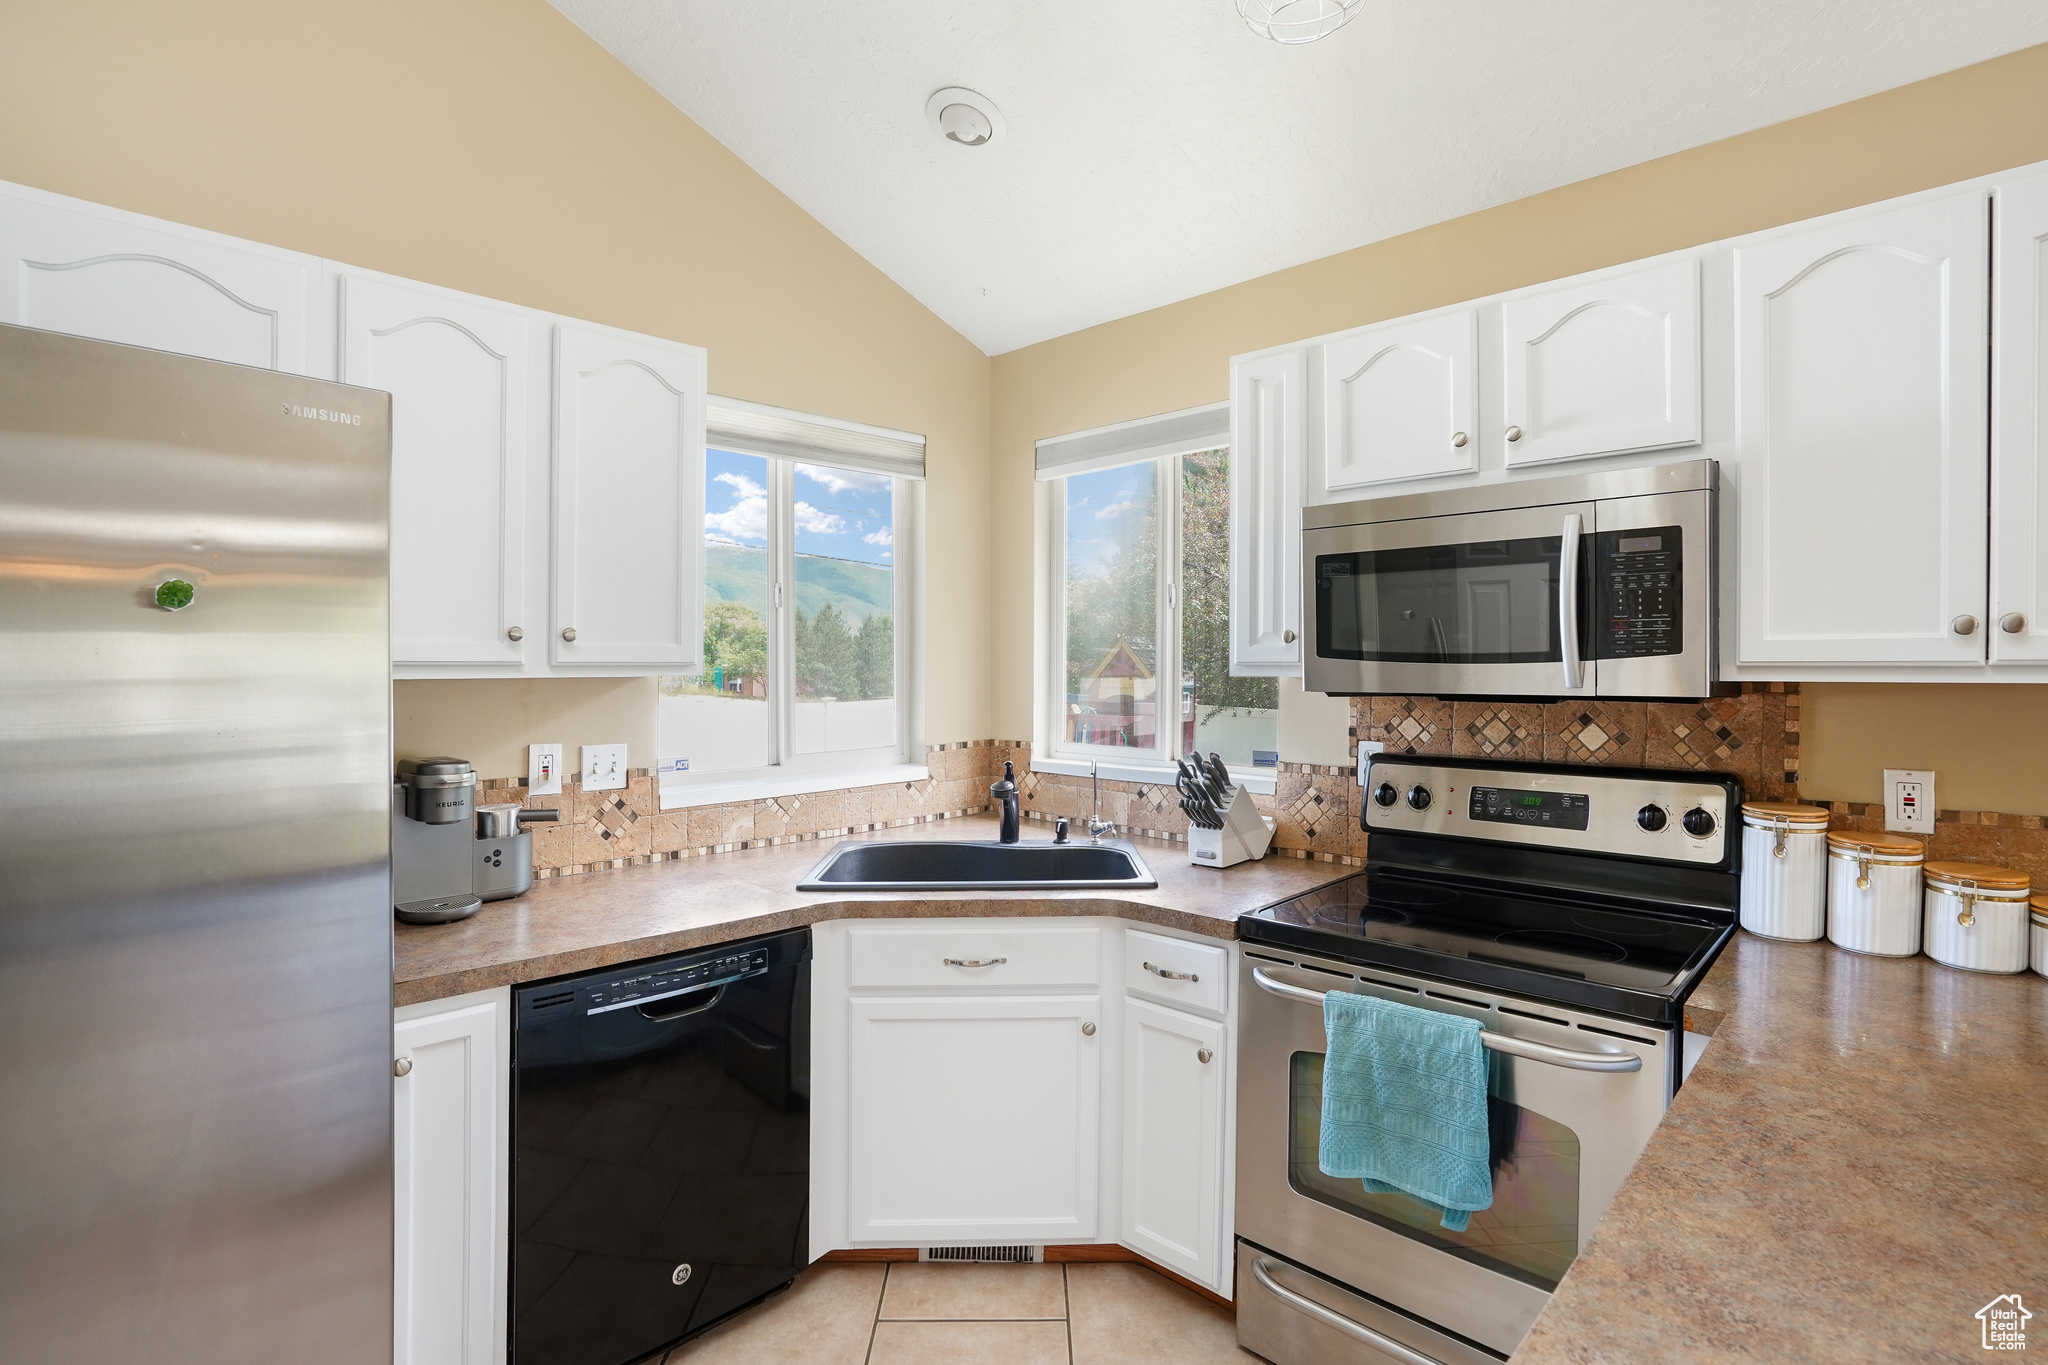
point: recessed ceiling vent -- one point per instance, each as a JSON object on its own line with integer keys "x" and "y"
{"x": 963, "y": 116}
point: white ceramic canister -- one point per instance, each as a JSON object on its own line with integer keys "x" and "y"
{"x": 1874, "y": 893}
{"x": 2038, "y": 957}
{"x": 1784, "y": 870}
{"x": 1976, "y": 917}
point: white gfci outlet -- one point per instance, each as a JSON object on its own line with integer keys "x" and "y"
{"x": 1909, "y": 800}
{"x": 604, "y": 767}
{"x": 1366, "y": 749}
{"x": 543, "y": 770}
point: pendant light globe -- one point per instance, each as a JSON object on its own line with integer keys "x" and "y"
{"x": 1294, "y": 22}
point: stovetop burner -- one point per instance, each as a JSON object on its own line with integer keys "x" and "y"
{"x": 1623, "y": 961}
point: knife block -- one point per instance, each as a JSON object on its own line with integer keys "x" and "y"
{"x": 1245, "y": 836}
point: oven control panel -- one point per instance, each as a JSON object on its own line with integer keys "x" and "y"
{"x": 1670, "y": 818}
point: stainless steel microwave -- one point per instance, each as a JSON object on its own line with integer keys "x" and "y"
{"x": 1596, "y": 585}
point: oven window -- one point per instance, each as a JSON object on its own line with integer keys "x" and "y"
{"x": 1530, "y": 1233}
{"x": 1488, "y": 602}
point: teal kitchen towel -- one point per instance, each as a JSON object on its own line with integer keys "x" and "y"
{"x": 1404, "y": 1103}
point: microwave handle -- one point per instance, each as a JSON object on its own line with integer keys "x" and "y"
{"x": 1568, "y": 603}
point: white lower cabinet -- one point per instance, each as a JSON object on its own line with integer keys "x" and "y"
{"x": 1005, "y": 1081}
{"x": 974, "y": 1119}
{"x": 1174, "y": 1101}
{"x": 450, "y": 1144}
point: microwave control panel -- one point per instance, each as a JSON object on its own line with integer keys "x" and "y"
{"x": 1637, "y": 593}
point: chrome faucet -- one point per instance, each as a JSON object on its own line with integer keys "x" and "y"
{"x": 1097, "y": 827}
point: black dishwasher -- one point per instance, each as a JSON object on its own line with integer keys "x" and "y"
{"x": 660, "y": 1148}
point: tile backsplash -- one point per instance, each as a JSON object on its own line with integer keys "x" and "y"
{"x": 1754, "y": 735}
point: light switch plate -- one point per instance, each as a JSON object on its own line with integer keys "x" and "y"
{"x": 1366, "y": 749}
{"x": 543, "y": 770}
{"x": 1909, "y": 800}
{"x": 604, "y": 767}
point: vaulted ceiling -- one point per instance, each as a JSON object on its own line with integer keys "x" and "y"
{"x": 1157, "y": 149}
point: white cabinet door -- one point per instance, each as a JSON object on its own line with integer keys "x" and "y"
{"x": 1173, "y": 1141}
{"x": 1861, "y": 420}
{"x": 1399, "y": 401}
{"x": 450, "y": 1178}
{"x": 973, "y": 1120}
{"x": 2019, "y": 425}
{"x": 121, "y": 278}
{"x": 456, "y": 369}
{"x": 1268, "y": 430}
{"x": 629, "y": 500}
{"x": 1604, "y": 367}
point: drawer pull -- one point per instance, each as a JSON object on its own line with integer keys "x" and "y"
{"x": 975, "y": 961}
{"x": 1203, "y": 1055}
{"x": 1158, "y": 970}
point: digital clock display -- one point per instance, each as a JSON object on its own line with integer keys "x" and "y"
{"x": 1546, "y": 810}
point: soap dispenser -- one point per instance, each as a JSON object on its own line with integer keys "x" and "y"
{"x": 1005, "y": 794}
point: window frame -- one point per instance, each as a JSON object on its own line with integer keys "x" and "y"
{"x": 1157, "y": 765}
{"x": 788, "y": 772}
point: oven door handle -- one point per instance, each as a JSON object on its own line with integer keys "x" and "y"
{"x": 1495, "y": 1042}
{"x": 1357, "y": 1331}
{"x": 1568, "y": 603}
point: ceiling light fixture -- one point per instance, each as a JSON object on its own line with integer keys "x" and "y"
{"x": 963, "y": 116}
{"x": 1297, "y": 21}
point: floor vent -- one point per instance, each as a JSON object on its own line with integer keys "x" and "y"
{"x": 1012, "y": 1254}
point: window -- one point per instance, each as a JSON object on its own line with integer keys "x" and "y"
{"x": 1143, "y": 588}
{"x": 805, "y": 652}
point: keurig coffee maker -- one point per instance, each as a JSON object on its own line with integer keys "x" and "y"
{"x": 448, "y": 856}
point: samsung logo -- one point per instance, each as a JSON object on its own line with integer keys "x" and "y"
{"x": 322, "y": 415}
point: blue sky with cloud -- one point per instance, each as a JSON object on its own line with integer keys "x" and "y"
{"x": 1104, "y": 511}
{"x": 843, "y": 513}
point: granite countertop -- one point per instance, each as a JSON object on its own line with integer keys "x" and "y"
{"x": 572, "y": 924}
{"x": 1858, "y": 1164}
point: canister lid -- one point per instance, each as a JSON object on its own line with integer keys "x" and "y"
{"x": 1792, "y": 814}
{"x": 2039, "y": 907}
{"x": 1849, "y": 843}
{"x": 1988, "y": 876}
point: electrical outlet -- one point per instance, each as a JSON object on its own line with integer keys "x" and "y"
{"x": 1366, "y": 749}
{"x": 1909, "y": 800}
{"x": 543, "y": 770}
{"x": 604, "y": 767}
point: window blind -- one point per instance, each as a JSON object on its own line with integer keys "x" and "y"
{"x": 757, "y": 429}
{"x": 1147, "y": 438}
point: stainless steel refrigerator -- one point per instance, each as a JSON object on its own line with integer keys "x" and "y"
{"x": 195, "y": 918}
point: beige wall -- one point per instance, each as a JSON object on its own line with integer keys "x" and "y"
{"x": 1987, "y": 743}
{"x": 1971, "y": 122}
{"x": 488, "y": 145}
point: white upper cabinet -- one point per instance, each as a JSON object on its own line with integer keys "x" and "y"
{"x": 1399, "y": 401}
{"x": 1602, "y": 368}
{"x": 117, "y": 277}
{"x": 1861, "y": 426}
{"x": 456, "y": 369}
{"x": 2019, "y": 427}
{"x": 629, "y": 500}
{"x": 1268, "y": 435}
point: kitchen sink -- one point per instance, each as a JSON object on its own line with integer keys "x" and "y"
{"x": 961, "y": 866}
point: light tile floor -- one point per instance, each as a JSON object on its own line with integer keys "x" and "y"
{"x": 907, "y": 1313}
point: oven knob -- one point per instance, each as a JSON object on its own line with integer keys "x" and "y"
{"x": 1385, "y": 794}
{"x": 1418, "y": 797}
{"x": 1698, "y": 823}
{"x": 1651, "y": 818}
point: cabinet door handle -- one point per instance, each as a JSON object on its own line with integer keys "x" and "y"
{"x": 1088, "y": 1028}
{"x": 975, "y": 961}
{"x": 2012, "y": 623}
{"x": 1203, "y": 1055}
{"x": 515, "y": 634}
{"x": 569, "y": 634}
{"x": 1287, "y": 636}
{"x": 1514, "y": 433}
{"x": 402, "y": 1067}
{"x": 1458, "y": 438}
{"x": 1158, "y": 970}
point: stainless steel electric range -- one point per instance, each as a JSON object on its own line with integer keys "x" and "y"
{"x": 1571, "y": 910}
